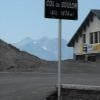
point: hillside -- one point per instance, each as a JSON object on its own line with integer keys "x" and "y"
{"x": 12, "y": 59}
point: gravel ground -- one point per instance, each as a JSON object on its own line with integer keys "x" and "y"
{"x": 36, "y": 86}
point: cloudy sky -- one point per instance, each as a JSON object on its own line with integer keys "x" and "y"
{"x": 25, "y": 18}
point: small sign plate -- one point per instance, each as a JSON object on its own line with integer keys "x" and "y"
{"x": 61, "y": 9}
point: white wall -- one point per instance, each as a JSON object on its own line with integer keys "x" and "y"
{"x": 78, "y": 46}
{"x": 93, "y": 27}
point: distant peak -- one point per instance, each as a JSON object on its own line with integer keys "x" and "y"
{"x": 25, "y": 41}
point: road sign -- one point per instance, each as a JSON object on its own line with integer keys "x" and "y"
{"x": 61, "y": 9}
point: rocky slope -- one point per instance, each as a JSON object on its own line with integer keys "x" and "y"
{"x": 12, "y": 59}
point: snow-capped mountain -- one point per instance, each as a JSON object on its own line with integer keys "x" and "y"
{"x": 45, "y": 48}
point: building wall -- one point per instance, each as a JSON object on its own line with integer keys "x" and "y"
{"x": 94, "y": 26}
{"x": 78, "y": 47}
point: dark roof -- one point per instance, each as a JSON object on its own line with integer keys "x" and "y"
{"x": 82, "y": 27}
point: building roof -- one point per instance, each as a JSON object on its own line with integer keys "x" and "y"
{"x": 83, "y": 26}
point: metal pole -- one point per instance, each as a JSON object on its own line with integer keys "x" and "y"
{"x": 59, "y": 58}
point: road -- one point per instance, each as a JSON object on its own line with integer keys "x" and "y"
{"x": 36, "y": 86}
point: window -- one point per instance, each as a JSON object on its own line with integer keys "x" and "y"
{"x": 91, "y": 38}
{"x": 99, "y": 36}
{"x": 84, "y": 38}
{"x": 96, "y": 37}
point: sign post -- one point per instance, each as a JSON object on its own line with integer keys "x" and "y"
{"x": 59, "y": 58}
{"x": 61, "y": 9}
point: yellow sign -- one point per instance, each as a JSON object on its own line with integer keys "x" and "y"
{"x": 81, "y": 49}
{"x": 96, "y": 47}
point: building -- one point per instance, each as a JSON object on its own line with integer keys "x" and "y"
{"x": 86, "y": 40}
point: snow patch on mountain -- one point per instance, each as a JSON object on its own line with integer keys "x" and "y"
{"x": 44, "y": 48}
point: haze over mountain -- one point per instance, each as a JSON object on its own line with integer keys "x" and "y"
{"x": 45, "y": 48}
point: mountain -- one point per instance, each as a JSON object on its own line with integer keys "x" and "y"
{"x": 45, "y": 48}
{"x": 15, "y": 60}
{"x": 12, "y": 59}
